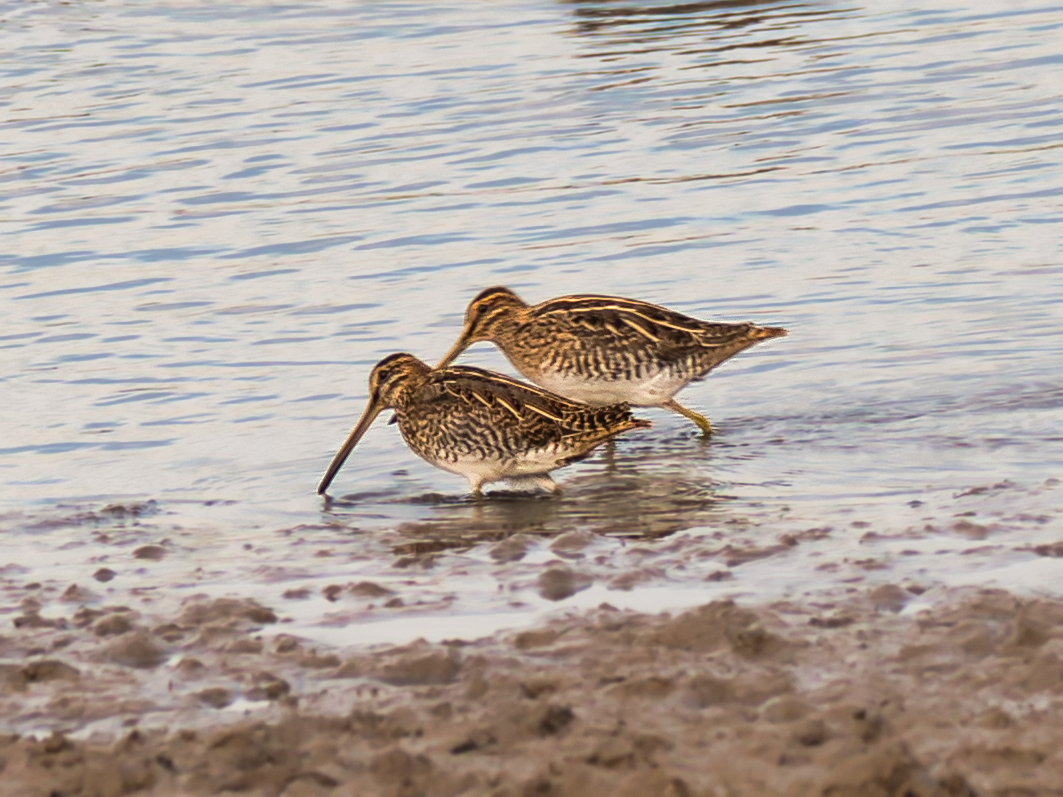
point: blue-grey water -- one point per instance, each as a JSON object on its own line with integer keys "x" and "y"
{"x": 216, "y": 217}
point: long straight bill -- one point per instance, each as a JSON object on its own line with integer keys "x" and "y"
{"x": 459, "y": 346}
{"x": 359, "y": 429}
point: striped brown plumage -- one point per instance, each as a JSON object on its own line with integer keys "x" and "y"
{"x": 482, "y": 425}
{"x": 605, "y": 349}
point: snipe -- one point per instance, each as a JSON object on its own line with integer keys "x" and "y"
{"x": 482, "y": 425}
{"x": 604, "y": 349}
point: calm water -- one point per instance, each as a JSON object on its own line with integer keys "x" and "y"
{"x": 216, "y": 217}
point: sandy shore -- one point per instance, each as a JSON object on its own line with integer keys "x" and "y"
{"x": 857, "y": 697}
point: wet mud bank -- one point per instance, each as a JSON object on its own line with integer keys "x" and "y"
{"x": 858, "y": 696}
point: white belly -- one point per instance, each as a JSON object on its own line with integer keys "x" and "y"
{"x": 650, "y": 391}
{"x": 480, "y": 471}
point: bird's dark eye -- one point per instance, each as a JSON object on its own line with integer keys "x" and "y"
{"x": 387, "y": 375}
{"x": 388, "y": 369}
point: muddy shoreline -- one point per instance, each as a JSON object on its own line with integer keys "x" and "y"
{"x": 857, "y": 696}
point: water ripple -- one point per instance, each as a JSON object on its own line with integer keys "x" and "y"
{"x": 213, "y": 209}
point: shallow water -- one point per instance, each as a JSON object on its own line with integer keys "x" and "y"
{"x": 217, "y": 217}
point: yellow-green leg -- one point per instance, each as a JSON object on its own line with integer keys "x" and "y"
{"x": 700, "y": 420}
{"x": 476, "y": 484}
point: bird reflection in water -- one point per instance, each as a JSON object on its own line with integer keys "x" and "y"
{"x": 655, "y": 24}
{"x": 621, "y": 499}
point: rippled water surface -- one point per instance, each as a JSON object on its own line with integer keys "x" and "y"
{"x": 216, "y": 217}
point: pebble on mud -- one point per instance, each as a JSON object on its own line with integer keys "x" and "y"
{"x": 135, "y": 649}
{"x": 34, "y": 620}
{"x": 627, "y": 581}
{"x": 153, "y": 553}
{"x": 77, "y": 594}
{"x": 267, "y": 686}
{"x": 227, "y": 611}
{"x": 511, "y": 549}
{"x": 369, "y": 589}
{"x": 113, "y": 625}
{"x": 436, "y": 667}
{"x": 536, "y": 638}
{"x": 215, "y": 696}
{"x": 570, "y": 545}
{"x": 889, "y": 597}
{"x": 559, "y": 581}
{"x": 40, "y": 671}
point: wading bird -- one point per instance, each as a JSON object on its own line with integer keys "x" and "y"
{"x": 603, "y": 350}
{"x": 482, "y": 425}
